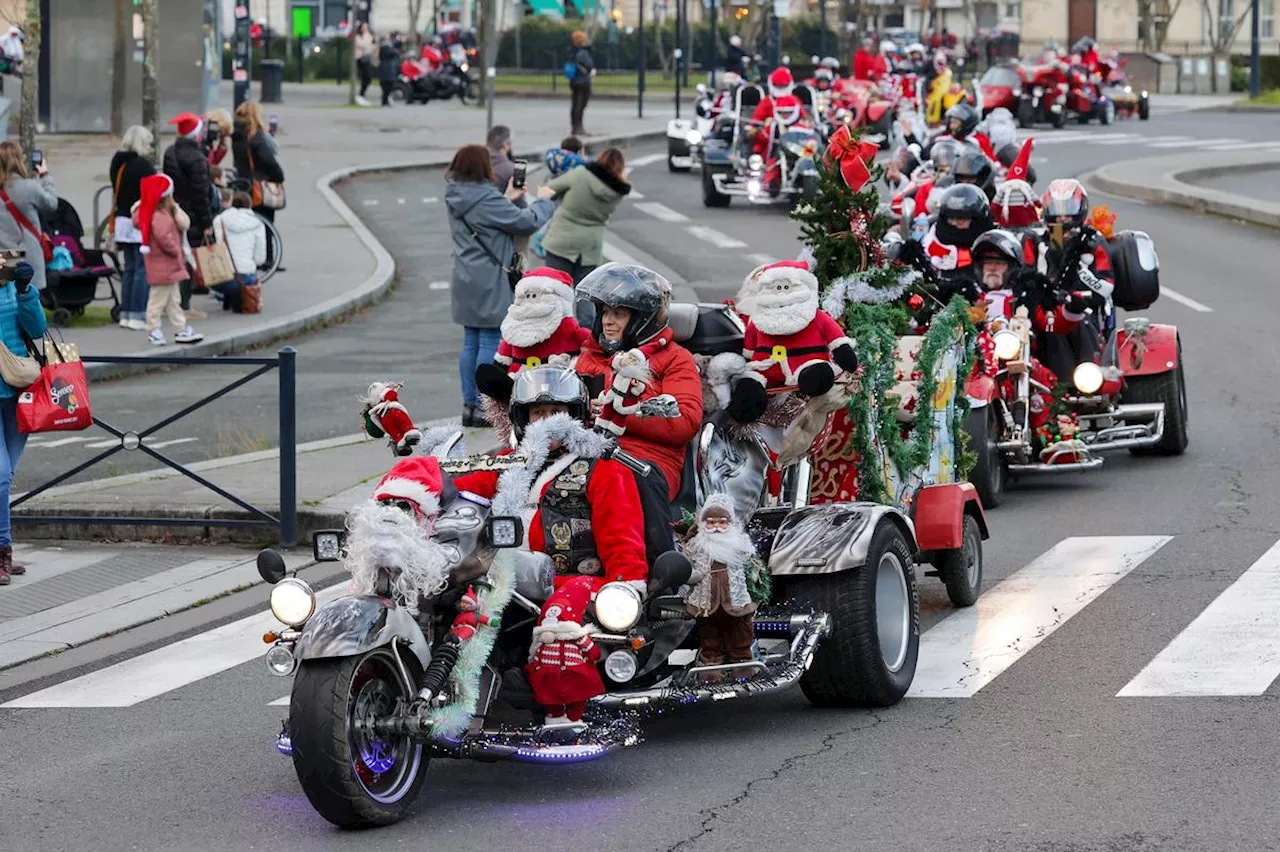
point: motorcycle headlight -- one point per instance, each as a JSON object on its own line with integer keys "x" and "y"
{"x": 694, "y": 137}
{"x": 466, "y": 66}
{"x": 617, "y": 607}
{"x": 1087, "y": 378}
{"x": 292, "y": 601}
{"x": 1037, "y": 91}
{"x": 755, "y": 162}
{"x": 621, "y": 666}
{"x": 1008, "y": 345}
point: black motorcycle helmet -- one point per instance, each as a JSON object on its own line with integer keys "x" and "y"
{"x": 967, "y": 117}
{"x": 973, "y": 167}
{"x": 546, "y": 386}
{"x": 963, "y": 202}
{"x": 998, "y": 244}
{"x": 642, "y": 291}
{"x": 944, "y": 154}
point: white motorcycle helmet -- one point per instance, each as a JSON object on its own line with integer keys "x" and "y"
{"x": 888, "y": 47}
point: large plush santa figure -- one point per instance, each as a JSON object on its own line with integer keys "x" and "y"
{"x": 562, "y": 659}
{"x": 789, "y": 341}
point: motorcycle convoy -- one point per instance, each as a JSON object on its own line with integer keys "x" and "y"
{"x": 485, "y": 620}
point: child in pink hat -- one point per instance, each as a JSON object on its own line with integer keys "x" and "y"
{"x": 156, "y": 218}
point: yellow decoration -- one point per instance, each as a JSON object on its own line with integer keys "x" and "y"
{"x": 533, "y": 361}
{"x": 943, "y": 392}
{"x": 779, "y": 353}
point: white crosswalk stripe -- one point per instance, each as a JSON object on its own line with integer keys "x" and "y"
{"x": 1232, "y": 648}
{"x": 1159, "y": 143}
{"x": 661, "y": 211}
{"x": 1194, "y": 143}
{"x": 716, "y": 238}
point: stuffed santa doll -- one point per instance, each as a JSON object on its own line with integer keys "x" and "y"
{"x": 468, "y": 619}
{"x": 562, "y": 660}
{"x": 727, "y": 582}
{"x": 539, "y": 328}
{"x": 622, "y": 398}
{"x": 385, "y": 416}
{"x": 789, "y": 342}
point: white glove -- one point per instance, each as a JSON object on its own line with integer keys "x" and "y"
{"x": 1087, "y": 278}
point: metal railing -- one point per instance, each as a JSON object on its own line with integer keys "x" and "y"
{"x": 131, "y": 440}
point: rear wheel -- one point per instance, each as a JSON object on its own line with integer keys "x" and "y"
{"x": 961, "y": 570}
{"x": 1107, "y": 114}
{"x": 869, "y": 657}
{"x": 712, "y": 197}
{"x": 988, "y": 474}
{"x": 1144, "y": 108}
{"x": 1170, "y": 389}
{"x": 1058, "y": 119}
{"x": 1026, "y": 114}
{"x": 1083, "y": 118}
{"x": 352, "y": 775}
{"x": 399, "y": 95}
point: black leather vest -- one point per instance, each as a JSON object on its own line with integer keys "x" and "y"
{"x": 566, "y": 522}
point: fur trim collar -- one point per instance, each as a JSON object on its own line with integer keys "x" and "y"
{"x": 515, "y": 483}
{"x": 610, "y": 180}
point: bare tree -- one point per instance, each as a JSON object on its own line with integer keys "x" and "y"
{"x": 415, "y": 9}
{"x": 150, "y": 85}
{"x": 120, "y": 63}
{"x": 29, "y": 116}
{"x": 1221, "y": 27}
{"x": 1155, "y": 17}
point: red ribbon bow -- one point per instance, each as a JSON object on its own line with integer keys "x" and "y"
{"x": 853, "y": 157}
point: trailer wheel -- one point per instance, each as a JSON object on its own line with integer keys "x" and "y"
{"x": 961, "y": 569}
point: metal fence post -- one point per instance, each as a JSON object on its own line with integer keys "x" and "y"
{"x": 288, "y": 448}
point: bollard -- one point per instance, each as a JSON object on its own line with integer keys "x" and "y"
{"x": 288, "y": 448}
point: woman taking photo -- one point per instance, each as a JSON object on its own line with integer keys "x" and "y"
{"x": 128, "y": 167}
{"x": 255, "y": 157}
{"x": 588, "y": 195}
{"x": 22, "y": 200}
{"x": 483, "y": 221}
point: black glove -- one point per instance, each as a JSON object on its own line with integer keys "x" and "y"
{"x": 1077, "y": 302}
{"x": 23, "y": 272}
{"x": 845, "y": 357}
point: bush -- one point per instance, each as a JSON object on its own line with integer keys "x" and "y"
{"x": 1270, "y": 72}
{"x": 334, "y": 57}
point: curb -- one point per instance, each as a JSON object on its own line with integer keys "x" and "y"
{"x": 372, "y": 290}
{"x": 1260, "y": 108}
{"x": 1172, "y": 191}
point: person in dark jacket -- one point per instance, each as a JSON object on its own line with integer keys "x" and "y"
{"x": 735, "y": 58}
{"x": 255, "y": 157}
{"x": 128, "y": 167}
{"x": 580, "y": 85}
{"x": 483, "y": 222}
{"x": 388, "y": 68}
{"x": 187, "y": 166}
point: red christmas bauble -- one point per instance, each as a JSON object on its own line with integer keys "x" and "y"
{"x": 916, "y": 302}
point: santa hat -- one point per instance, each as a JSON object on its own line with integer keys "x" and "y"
{"x": 152, "y": 188}
{"x": 787, "y": 108}
{"x": 1020, "y": 168}
{"x": 572, "y": 599}
{"x": 188, "y": 123}
{"x": 417, "y": 479}
{"x": 720, "y": 504}
{"x": 781, "y": 82}
{"x": 796, "y": 271}
{"x": 544, "y": 279}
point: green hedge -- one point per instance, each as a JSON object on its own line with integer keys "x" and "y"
{"x": 334, "y": 57}
{"x": 1240, "y": 73}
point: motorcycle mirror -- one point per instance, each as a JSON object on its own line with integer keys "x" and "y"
{"x": 271, "y": 566}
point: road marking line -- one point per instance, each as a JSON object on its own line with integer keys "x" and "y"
{"x": 1127, "y": 139}
{"x": 647, "y": 159}
{"x": 101, "y": 445}
{"x": 971, "y": 647}
{"x": 759, "y": 259}
{"x": 1244, "y": 146}
{"x": 1231, "y": 648}
{"x": 60, "y": 442}
{"x": 166, "y": 669}
{"x": 1112, "y": 138}
{"x": 399, "y": 201}
{"x": 1195, "y": 143}
{"x": 168, "y": 443}
{"x": 280, "y": 702}
{"x": 430, "y": 200}
{"x": 635, "y": 196}
{"x": 370, "y": 202}
{"x": 1065, "y": 136}
{"x": 439, "y": 285}
{"x": 717, "y": 239}
{"x": 661, "y": 211}
{"x": 617, "y": 255}
{"x": 1186, "y": 300}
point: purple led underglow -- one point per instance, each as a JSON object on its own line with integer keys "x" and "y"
{"x": 284, "y": 745}
{"x": 560, "y": 754}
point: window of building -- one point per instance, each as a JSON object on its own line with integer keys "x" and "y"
{"x": 986, "y": 15}
{"x": 1267, "y": 18}
{"x": 1013, "y": 10}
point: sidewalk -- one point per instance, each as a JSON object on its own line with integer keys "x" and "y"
{"x": 332, "y": 264}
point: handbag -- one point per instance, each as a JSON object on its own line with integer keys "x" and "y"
{"x": 46, "y": 244}
{"x": 264, "y": 193}
{"x": 18, "y": 371}
{"x": 514, "y": 270}
{"x": 213, "y": 262}
{"x": 58, "y": 400}
{"x": 250, "y": 298}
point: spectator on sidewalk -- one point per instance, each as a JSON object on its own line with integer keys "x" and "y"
{"x": 558, "y": 161}
{"x": 735, "y": 58}
{"x": 217, "y": 141}
{"x": 499, "y": 144}
{"x": 388, "y": 68}
{"x": 246, "y": 239}
{"x": 366, "y": 58}
{"x": 255, "y": 157}
{"x": 580, "y": 85}
{"x": 22, "y": 201}
{"x": 20, "y": 313}
{"x": 483, "y": 221}
{"x": 128, "y": 167}
{"x": 587, "y": 197}
{"x": 187, "y": 166}
{"x": 157, "y": 217}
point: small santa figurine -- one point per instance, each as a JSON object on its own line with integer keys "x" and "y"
{"x": 726, "y": 573}
{"x": 631, "y": 376}
{"x": 562, "y": 660}
{"x": 790, "y": 342}
{"x": 385, "y": 416}
{"x": 539, "y": 328}
{"x": 468, "y": 619}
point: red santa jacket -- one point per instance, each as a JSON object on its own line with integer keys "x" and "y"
{"x": 617, "y": 520}
{"x": 659, "y": 440}
{"x": 869, "y": 66}
{"x": 785, "y": 354}
{"x": 999, "y": 303}
{"x": 944, "y": 257}
{"x": 567, "y": 340}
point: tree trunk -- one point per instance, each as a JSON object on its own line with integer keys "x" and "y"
{"x": 150, "y": 85}
{"x": 488, "y": 51}
{"x": 415, "y": 9}
{"x": 29, "y": 115}
{"x": 120, "y": 64}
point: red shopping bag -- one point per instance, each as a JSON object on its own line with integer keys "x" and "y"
{"x": 57, "y": 402}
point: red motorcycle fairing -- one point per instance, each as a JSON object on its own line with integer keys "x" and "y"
{"x": 876, "y": 110}
{"x": 938, "y": 515}
{"x": 1156, "y": 353}
{"x": 981, "y": 387}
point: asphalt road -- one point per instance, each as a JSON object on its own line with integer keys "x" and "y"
{"x": 1263, "y": 184}
{"x": 1045, "y": 756}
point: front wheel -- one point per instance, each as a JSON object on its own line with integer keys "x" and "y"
{"x": 1107, "y": 114}
{"x": 1026, "y": 114}
{"x": 712, "y": 197}
{"x": 1059, "y": 119}
{"x": 353, "y": 775}
{"x": 469, "y": 91}
{"x": 400, "y": 95}
{"x": 983, "y": 426}
{"x": 1144, "y": 109}
{"x": 961, "y": 570}
{"x": 672, "y": 153}
{"x": 869, "y": 657}
{"x": 1170, "y": 389}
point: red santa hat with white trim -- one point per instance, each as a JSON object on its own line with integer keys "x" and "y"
{"x": 420, "y": 481}
{"x": 189, "y": 124}
{"x": 544, "y": 279}
{"x": 151, "y": 189}
{"x": 796, "y": 271}
{"x": 781, "y": 82}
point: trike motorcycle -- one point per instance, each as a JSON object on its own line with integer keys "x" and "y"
{"x": 731, "y": 167}
{"x": 685, "y": 136}
{"x": 1044, "y": 96}
{"x": 380, "y": 688}
{"x": 1085, "y": 96}
{"x": 1128, "y": 101}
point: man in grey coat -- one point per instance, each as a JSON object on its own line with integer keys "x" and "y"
{"x": 499, "y": 144}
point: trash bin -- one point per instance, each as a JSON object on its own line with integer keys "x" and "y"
{"x": 272, "y": 81}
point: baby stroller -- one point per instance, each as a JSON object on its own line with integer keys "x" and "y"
{"x": 69, "y": 291}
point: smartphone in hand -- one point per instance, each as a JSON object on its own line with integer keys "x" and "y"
{"x": 519, "y": 173}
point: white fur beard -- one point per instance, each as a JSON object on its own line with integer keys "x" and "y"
{"x": 528, "y": 323}
{"x": 384, "y": 537}
{"x": 732, "y": 547}
{"x": 784, "y": 315}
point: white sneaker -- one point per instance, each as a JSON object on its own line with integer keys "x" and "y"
{"x": 362, "y": 101}
{"x": 124, "y": 323}
{"x": 156, "y": 338}
{"x": 138, "y": 325}
{"x": 188, "y": 335}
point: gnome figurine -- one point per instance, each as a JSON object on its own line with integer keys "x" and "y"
{"x": 562, "y": 660}
{"x": 385, "y": 416}
{"x": 790, "y": 342}
{"x": 728, "y": 581}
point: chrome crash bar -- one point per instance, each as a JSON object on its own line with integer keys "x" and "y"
{"x": 1127, "y": 436}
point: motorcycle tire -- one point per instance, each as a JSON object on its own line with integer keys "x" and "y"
{"x": 850, "y": 668}
{"x": 401, "y": 94}
{"x": 321, "y": 729}
{"x": 1107, "y": 115}
{"x": 1058, "y": 119}
{"x": 1026, "y": 114}
{"x": 988, "y": 474}
{"x": 712, "y": 197}
{"x": 1171, "y": 389}
{"x": 1083, "y": 118}
{"x": 470, "y": 93}
{"x": 1144, "y": 109}
{"x": 961, "y": 570}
